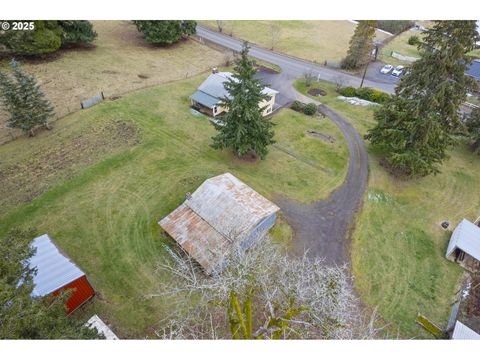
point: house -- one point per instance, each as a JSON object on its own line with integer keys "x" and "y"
{"x": 57, "y": 273}
{"x": 474, "y": 70}
{"x": 464, "y": 245}
{"x": 102, "y": 328}
{"x": 463, "y": 332}
{"x": 208, "y": 97}
{"x": 222, "y": 216}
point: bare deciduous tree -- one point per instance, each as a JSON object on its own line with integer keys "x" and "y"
{"x": 220, "y": 24}
{"x": 275, "y": 31}
{"x": 339, "y": 82}
{"x": 283, "y": 297}
{"x": 309, "y": 77}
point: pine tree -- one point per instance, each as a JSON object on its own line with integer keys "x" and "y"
{"x": 21, "y": 315}
{"x": 419, "y": 123}
{"x": 243, "y": 128}
{"x": 24, "y": 100}
{"x": 165, "y": 32}
{"x": 77, "y": 32}
{"x": 361, "y": 45}
{"x": 473, "y": 127}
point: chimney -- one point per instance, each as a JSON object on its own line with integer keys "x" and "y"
{"x": 214, "y": 70}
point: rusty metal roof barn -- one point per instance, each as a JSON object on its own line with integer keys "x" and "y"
{"x": 222, "y": 214}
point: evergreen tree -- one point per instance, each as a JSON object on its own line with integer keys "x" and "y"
{"x": 361, "y": 45}
{"x": 77, "y": 32}
{"x": 23, "y": 99}
{"x": 243, "y": 128}
{"x": 165, "y": 32}
{"x": 473, "y": 127}
{"x": 21, "y": 315}
{"x": 418, "y": 124}
{"x": 44, "y": 39}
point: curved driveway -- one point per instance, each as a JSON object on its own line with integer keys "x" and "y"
{"x": 324, "y": 226}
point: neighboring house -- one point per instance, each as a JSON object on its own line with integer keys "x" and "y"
{"x": 463, "y": 332}
{"x": 464, "y": 246}
{"x": 474, "y": 70}
{"x": 223, "y": 215}
{"x": 57, "y": 273}
{"x": 96, "y": 323}
{"x": 208, "y": 97}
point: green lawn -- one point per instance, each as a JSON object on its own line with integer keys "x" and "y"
{"x": 398, "y": 246}
{"x": 102, "y": 207}
{"x": 310, "y": 40}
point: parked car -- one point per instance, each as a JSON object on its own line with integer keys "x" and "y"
{"x": 398, "y": 71}
{"x": 386, "y": 69}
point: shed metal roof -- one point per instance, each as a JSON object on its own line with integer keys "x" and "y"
{"x": 474, "y": 70}
{"x": 463, "y": 332}
{"x": 465, "y": 237}
{"x": 54, "y": 269}
{"x": 102, "y": 328}
{"x": 221, "y": 213}
{"x": 204, "y": 99}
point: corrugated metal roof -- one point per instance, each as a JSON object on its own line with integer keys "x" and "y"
{"x": 463, "y": 332}
{"x": 221, "y": 213}
{"x": 465, "y": 237}
{"x": 204, "y": 99}
{"x": 54, "y": 269}
{"x": 102, "y": 328}
{"x": 474, "y": 70}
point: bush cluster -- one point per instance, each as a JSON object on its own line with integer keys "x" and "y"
{"x": 413, "y": 40}
{"x": 308, "y": 109}
{"x": 365, "y": 93}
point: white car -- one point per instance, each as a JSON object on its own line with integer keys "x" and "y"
{"x": 398, "y": 70}
{"x": 386, "y": 69}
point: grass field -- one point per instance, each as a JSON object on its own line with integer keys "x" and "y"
{"x": 104, "y": 210}
{"x": 400, "y": 45}
{"x": 398, "y": 249}
{"x": 310, "y": 40}
{"x": 119, "y": 61}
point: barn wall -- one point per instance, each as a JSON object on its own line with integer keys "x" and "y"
{"x": 259, "y": 231}
{"x": 82, "y": 291}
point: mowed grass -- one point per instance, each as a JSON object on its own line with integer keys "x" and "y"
{"x": 118, "y": 62}
{"x": 319, "y": 41}
{"x": 105, "y": 216}
{"x": 398, "y": 249}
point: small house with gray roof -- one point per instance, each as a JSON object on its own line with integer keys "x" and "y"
{"x": 209, "y": 95}
{"x": 464, "y": 245}
{"x": 222, "y": 216}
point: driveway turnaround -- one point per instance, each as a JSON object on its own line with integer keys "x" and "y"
{"x": 324, "y": 227}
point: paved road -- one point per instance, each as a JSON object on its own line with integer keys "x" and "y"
{"x": 296, "y": 67}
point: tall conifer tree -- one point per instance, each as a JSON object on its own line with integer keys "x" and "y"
{"x": 361, "y": 45}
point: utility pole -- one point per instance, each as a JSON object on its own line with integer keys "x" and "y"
{"x": 375, "y": 50}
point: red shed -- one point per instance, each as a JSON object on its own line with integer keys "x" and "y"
{"x": 57, "y": 273}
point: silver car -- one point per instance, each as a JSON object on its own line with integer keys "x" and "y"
{"x": 398, "y": 71}
{"x": 386, "y": 69}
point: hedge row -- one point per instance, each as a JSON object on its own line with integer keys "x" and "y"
{"x": 365, "y": 93}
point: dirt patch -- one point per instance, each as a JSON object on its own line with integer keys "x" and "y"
{"x": 324, "y": 137}
{"x": 266, "y": 69}
{"x": 143, "y": 76}
{"x": 317, "y": 92}
{"x": 47, "y": 165}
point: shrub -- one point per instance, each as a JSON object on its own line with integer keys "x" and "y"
{"x": 413, "y": 40}
{"x": 348, "y": 91}
{"x": 310, "y": 109}
{"x": 297, "y": 105}
{"x": 165, "y": 32}
{"x": 365, "y": 93}
{"x": 379, "y": 97}
{"x": 395, "y": 26}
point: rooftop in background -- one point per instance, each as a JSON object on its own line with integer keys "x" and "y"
{"x": 465, "y": 237}
{"x": 463, "y": 332}
{"x": 474, "y": 70}
{"x": 54, "y": 269}
{"x": 221, "y": 215}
